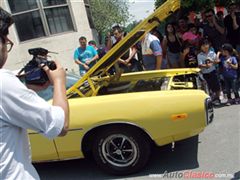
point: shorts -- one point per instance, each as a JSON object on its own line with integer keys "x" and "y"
{"x": 174, "y": 58}
{"x": 212, "y": 81}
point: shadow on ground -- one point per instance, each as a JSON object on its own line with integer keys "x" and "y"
{"x": 163, "y": 159}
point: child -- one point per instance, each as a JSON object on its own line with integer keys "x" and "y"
{"x": 191, "y": 35}
{"x": 188, "y": 56}
{"x": 229, "y": 66}
{"x": 206, "y": 62}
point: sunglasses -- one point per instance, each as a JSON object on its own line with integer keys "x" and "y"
{"x": 210, "y": 15}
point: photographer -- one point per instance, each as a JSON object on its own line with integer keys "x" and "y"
{"x": 22, "y": 109}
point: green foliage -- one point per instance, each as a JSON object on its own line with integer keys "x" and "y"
{"x": 131, "y": 26}
{"x": 108, "y": 12}
{"x": 198, "y": 5}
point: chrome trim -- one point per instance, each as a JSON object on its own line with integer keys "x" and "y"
{"x": 75, "y": 129}
{"x": 209, "y": 111}
{"x": 118, "y": 122}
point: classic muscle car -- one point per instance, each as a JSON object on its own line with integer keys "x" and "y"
{"x": 118, "y": 117}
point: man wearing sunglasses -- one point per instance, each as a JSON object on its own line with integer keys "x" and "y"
{"x": 214, "y": 30}
{"x": 21, "y": 109}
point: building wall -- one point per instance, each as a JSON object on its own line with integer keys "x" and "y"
{"x": 64, "y": 44}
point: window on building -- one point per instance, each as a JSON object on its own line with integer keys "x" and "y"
{"x": 38, "y": 18}
{"x": 89, "y": 14}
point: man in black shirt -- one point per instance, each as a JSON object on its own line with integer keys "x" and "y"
{"x": 214, "y": 30}
{"x": 232, "y": 24}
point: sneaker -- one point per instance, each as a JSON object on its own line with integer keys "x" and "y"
{"x": 237, "y": 101}
{"x": 229, "y": 102}
{"x": 216, "y": 102}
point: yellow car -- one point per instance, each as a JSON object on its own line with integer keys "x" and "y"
{"x": 117, "y": 117}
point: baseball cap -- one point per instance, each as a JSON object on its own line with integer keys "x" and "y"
{"x": 92, "y": 42}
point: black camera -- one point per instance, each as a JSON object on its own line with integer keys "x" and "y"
{"x": 34, "y": 74}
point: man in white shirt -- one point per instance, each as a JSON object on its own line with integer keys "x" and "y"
{"x": 22, "y": 109}
{"x": 151, "y": 52}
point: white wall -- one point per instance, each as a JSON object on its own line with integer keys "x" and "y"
{"x": 64, "y": 43}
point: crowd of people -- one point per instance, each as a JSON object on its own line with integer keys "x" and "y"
{"x": 211, "y": 44}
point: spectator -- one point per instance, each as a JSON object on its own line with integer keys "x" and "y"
{"x": 114, "y": 37}
{"x": 229, "y": 67}
{"x": 159, "y": 35}
{"x": 100, "y": 51}
{"x": 199, "y": 25}
{"x": 22, "y": 109}
{"x": 206, "y": 62}
{"x": 172, "y": 46}
{"x": 93, "y": 44}
{"x": 220, "y": 17}
{"x": 127, "y": 61}
{"x": 182, "y": 26}
{"x": 214, "y": 30}
{"x": 188, "y": 56}
{"x": 192, "y": 35}
{"x": 151, "y": 52}
{"x": 85, "y": 56}
{"x": 232, "y": 24}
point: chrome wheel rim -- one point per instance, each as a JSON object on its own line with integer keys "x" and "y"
{"x": 119, "y": 150}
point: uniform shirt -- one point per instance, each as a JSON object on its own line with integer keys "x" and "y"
{"x": 85, "y": 54}
{"x": 227, "y": 70}
{"x": 22, "y": 109}
{"x": 202, "y": 57}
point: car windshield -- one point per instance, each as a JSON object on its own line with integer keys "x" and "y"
{"x": 47, "y": 94}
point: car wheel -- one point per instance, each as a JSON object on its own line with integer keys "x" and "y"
{"x": 121, "y": 151}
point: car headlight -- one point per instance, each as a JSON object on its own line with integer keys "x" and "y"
{"x": 209, "y": 111}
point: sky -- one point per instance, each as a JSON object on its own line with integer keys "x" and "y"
{"x": 140, "y": 9}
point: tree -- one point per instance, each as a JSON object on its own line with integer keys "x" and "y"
{"x": 131, "y": 26}
{"x": 106, "y": 13}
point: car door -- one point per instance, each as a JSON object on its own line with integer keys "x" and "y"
{"x": 43, "y": 149}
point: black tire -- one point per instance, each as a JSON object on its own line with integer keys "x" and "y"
{"x": 121, "y": 150}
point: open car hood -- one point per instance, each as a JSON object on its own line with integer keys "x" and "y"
{"x": 101, "y": 68}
